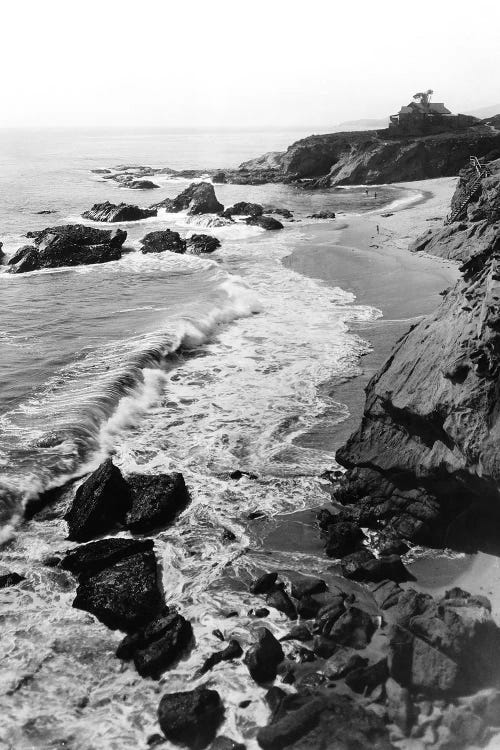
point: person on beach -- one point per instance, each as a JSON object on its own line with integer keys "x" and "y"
{"x": 375, "y": 194}
{"x": 378, "y": 229}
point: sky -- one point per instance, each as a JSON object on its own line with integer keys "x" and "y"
{"x": 216, "y": 63}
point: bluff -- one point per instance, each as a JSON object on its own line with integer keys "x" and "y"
{"x": 425, "y": 460}
{"x": 373, "y": 157}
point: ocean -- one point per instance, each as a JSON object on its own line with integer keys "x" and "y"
{"x": 165, "y": 362}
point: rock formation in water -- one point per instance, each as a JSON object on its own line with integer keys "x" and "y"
{"x": 198, "y": 198}
{"x": 163, "y": 240}
{"x": 425, "y": 460}
{"x": 122, "y": 212}
{"x": 68, "y": 245}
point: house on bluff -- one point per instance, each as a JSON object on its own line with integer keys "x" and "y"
{"x": 423, "y": 117}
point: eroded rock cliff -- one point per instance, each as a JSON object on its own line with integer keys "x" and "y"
{"x": 427, "y": 449}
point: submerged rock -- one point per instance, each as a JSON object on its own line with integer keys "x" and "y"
{"x": 202, "y": 243}
{"x": 163, "y": 240}
{"x": 263, "y": 657}
{"x": 232, "y": 651}
{"x": 343, "y": 537}
{"x": 99, "y": 503}
{"x": 142, "y": 185}
{"x": 156, "y": 499}
{"x": 243, "y": 209}
{"x": 10, "y": 579}
{"x": 157, "y": 646}
{"x": 264, "y": 583}
{"x": 280, "y": 600}
{"x": 112, "y": 212}
{"x": 191, "y": 718}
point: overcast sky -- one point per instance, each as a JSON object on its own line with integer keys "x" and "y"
{"x": 220, "y": 62}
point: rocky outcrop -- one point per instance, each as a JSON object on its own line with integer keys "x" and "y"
{"x": 263, "y": 657}
{"x": 163, "y": 240}
{"x": 111, "y": 212}
{"x": 142, "y": 185}
{"x": 264, "y": 222}
{"x": 374, "y": 157}
{"x": 155, "y": 500}
{"x": 202, "y": 243}
{"x": 425, "y": 456}
{"x": 68, "y": 245}
{"x": 244, "y": 209}
{"x": 157, "y": 646}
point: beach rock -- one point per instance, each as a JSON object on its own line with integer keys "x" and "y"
{"x": 263, "y": 657}
{"x": 232, "y": 651}
{"x": 156, "y": 499}
{"x": 219, "y": 177}
{"x": 10, "y": 579}
{"x": 343, "y": 537}
{"x": 365, "y": 679}
{"x": 285, "y": 212}
{"x": 265, "y": 222}
{"x": 379, "y": 569}
{"x": 389, "y": 543}
{"x": 124, "y": 595}
{"x": 258, "y": 612}
{"x": 264, "y": 583}
{"x": 157, "y": 646}
{"x": 112, "y": 212}
{"x": 163, "y": 240}
{"x": 386, "y": 593}
{"x": 307, "y": 607}
{"x": 350, "y": 564}
{"x": 99, "y": 503}
{"x": 191, "y": 718}
{"x": 324, "y": 646}
{"x": 80, "y": 234}
{"x": 198, "y": 198}
{"x": 202, "y": 243}
{"x": 243, "y": 209}
{"x": 305, "y": 586}
{"x": 325, "y": 720}
{"x": 142, "y": 185}
{"x": 353, "y": 628}
{"x": 298, "y": 633}
{"x": 343, "y": 661}
{"x": 281, "y": 601}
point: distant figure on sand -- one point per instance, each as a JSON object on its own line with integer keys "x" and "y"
{"x": 375, "y": 194}
{"x": 378, "y": 229}
{"x": 366, "y": 191}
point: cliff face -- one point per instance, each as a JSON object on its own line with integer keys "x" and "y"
{"x": 428, "y": 445}
{"x": 372, "y": 157}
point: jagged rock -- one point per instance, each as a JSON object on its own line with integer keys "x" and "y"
{"x": 232, "y": 651}
{"x": 351, "y": 563}
{"x": 202, "y": 243}
{"x": 281, "y": 601}
{"x": 265, "y": 222}
{"x": 263, "y": 657}
{"x": 386, "y": 593}
{"x": 124, "y": 595}
{"x": 142, "y": 185}
{"x": 88, "y": 559}
{"x": 354, "y": 628}
{"x": 99, "y": 503}
{"x": 243, "y": 209}
{"x": 314, "y": 722}
{"x": 389, "y": 543}
{"x": 156, "y": 499}
{"x": 112, "y": 212}
{"x": 307, "y": 607}
{"x": 284, "y": 212}
{"x": 24, "y": 260}
{"x": 322, "y": 215}
{"x": 219, "y": 177}
{"x": 10, "y": 579}
{"x": 307, "y": 585}
{"x": 191, "y": 718}
{"x": 80, "y": 234}
{"x": 264, "y": 583}
{"x": 155, "y": 647}
{"x": 163, "y": 240}
{"x": 198, "y": 198}
{"x": 298, "y": 633}
{"x": 324, "y": 646}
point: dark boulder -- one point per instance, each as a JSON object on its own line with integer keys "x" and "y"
{"x": 322, "y": 215}
{"x": 219, "y": 177}
{"x": 343, "y": 537}
{"x": 88, "y": 559}
{"x": 122, "y": 212}
{"x": 265, "y": 583}
{"x": 10, "y": 579}
{"x": 198, "y": 198}
{"x": 158, "y": 645}
{"x": 263, "y": 657}
{"x": 298, "y": 633}
{"x": 353, "y": 628}
{"x": 142, "y": 185}
{"x": 350, "y": 564}
{"x": 232, "y": 651}
{"x": 80, "y": 234}
{"x": 343, "y": 661}
{"x": 305, "y": 586}
{"x": 191, "y": 718}
{"x": 124, "y": 595}
{"x": 381, "y": 568}
{"x": 285, "y": 212}
{"x": 364, "y": 679}
{"x": 99, "y": 503}
{"x": 226, "y": 743}
{"x": 265, "y": 222}
{"x": 156, "y": 499}
{"x": 162, "y": 241}
{"x": 202, "y": 243}
{"x": 243, "y": 209}
{"x": 386, "y": 594}
{"x": 280, "y": 600}
{"x": 24, "y": 260}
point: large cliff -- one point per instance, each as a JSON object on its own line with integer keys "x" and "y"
{"x": 427, "y": 449}
{"x": 374, "y": 157}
